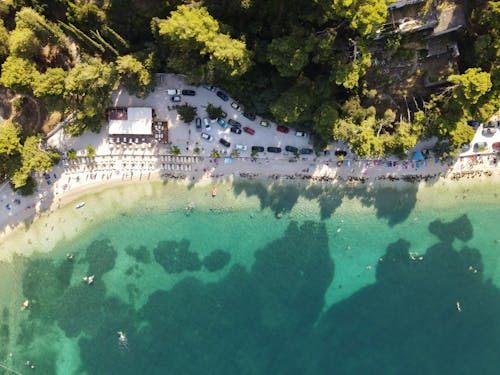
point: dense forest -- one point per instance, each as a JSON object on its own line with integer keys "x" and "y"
{"x": 315, "y": 65}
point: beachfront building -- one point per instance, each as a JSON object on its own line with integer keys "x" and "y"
{"x": 135, "y": 125}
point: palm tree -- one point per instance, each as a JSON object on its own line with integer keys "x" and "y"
{"x": 90, "y": 151}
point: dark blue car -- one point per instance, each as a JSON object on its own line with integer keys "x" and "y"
{"x": 222, "y": 95}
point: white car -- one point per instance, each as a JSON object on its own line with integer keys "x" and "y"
{"x": 206, "y": 136}
{"x": 236, "y": 106}
{"x": 174, "y": 92}
{"x": 206, "y": 122}
{"x": 241, "y": 147}
{"x": 300, "y": 134}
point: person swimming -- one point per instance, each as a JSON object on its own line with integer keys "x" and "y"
{"x": 122, "y": 339}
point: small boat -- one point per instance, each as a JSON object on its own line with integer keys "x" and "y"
{"x": 80, "y": 205}
{"x": 214, "y": 192}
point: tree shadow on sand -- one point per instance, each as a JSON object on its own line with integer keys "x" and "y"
{"x": 394, "y": 205}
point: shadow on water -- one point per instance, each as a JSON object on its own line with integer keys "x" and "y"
{"x": 175, "y": 257}
{"x": 216, "y": 260}
{"x": 394, "y": 205}
{"x": 226, "y": 326}
{"x": 429, "y": 315}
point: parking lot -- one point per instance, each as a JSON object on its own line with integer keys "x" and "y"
{"x": 187, "y": 138}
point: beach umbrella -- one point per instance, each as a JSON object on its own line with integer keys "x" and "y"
{"x": 417, "y": 156}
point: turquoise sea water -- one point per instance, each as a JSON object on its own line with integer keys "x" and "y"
{"x": 264, "y": 280}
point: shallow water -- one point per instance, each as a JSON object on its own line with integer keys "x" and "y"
{"x": 260, "y": 280}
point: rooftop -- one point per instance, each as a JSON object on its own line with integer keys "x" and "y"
{"x": 138, "y": 121}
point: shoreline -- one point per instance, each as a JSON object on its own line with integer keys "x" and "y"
{"x": 208, "y": 173}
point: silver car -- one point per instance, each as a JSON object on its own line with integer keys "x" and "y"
{"x": 206, "y": 136}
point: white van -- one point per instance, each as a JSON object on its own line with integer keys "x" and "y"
{"x": 174, "y": 91}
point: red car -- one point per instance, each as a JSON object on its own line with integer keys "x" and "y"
{"x": 282, "y": 129}
{"x": 248, "y": 130}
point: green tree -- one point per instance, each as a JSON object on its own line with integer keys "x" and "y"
{"x": 87, "y": 14}
{"x": 470, "y": 86}
{"x": 176, "y": 150}
{"x": 323, "y": 123}
{"x": 9, "y": 138}
{"x": 4, "y": 42}
{"x": 365, "y": 16}
{"x": 46, "y": 31}
{"x": 88, "y": 90}
{"x": 18, "y": 74}
{"x": 186, "y": 112}
{"x": 90, "y": 151}
{"x": 71, "y": 154}
{"x": 33, "y": 159}
{"x": 23, "y": 43}
{"x": 134, "y": 76}
{"x": 462, "y": 134}
{"x": 50, "y": 83}
{"x": 213, "y": 111}
{"x": 202, "y": 51}
{"x": 295, "y": 104}
{"x": 348, "y": 72}
{"x": 290, "y": 54}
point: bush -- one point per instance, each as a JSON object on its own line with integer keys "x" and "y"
{"x": 28, "y": 188}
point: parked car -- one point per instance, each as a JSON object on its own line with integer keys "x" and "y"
{"x": 249, "y": 116}
{"x": 222, "y": 123}
{"x": 206, "y": 136}
{"x": 340, "y": 153}
{"x": 473, "y": 123}
{"x": 235, "y": 130}
{"x": 282, "y": 129}
{"x": 174, "y": 91}
{"x": 206, "y": 122}
{"x": 189, "y": 92}
{"x": 248, "y": 130}
{"x": 264, "y": 123}
{"x": 210, "y": 88}
{"x": 176, "y": 98}
{"x": 234, "y": 123}
{"x": 241, "y": 147}
{"x": 225, "y": 143}
{"x": 222, "y": 95}
{"x": 306, "y": 151}
{"x": 275, "y": 150}
{"x": 300, "y": 134}
{"x": 223, "y": 114}
{"x": 235, "y": 106}
{"x": 258, "y": 148}
{"x": 292, "y": 149}
{"x": 198, "y": 124}
{"x": 480, "y": 147}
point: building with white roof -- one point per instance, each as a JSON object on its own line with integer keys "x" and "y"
{"x": 132, "y": 121}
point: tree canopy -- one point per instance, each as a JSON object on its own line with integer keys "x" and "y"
{"x": 196, "y": 38}
{"x": 314, "y": 65}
